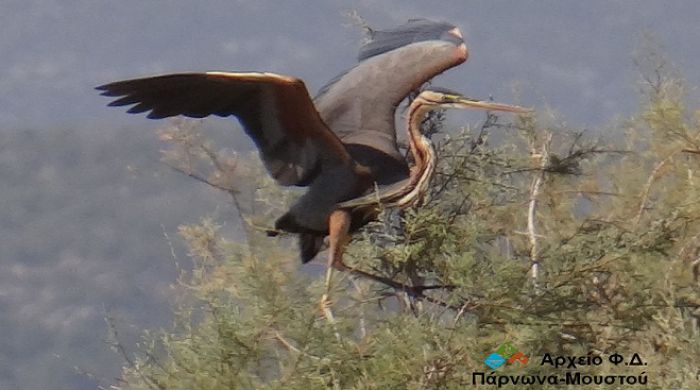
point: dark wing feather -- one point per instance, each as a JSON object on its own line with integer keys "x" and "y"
{"x": 416, "y": 30}
{"x": 359, "y": 104}
{"x": 276, "y": 112}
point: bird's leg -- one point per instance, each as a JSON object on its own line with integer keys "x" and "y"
{"x": 338, "y": 238}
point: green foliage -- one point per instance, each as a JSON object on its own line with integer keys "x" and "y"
{"x": 545, "y": 238}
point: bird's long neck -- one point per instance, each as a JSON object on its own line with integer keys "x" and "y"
{"x": 420, "y": 145}
{"x": 424, "y": 162}
{"x": 424, "y": 159}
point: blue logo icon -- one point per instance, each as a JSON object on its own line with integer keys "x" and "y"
{"x": 506, "y": 353}
{"x": 494, "y": 360}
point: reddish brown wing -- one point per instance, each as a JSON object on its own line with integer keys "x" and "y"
{"x": 275, "y": 111}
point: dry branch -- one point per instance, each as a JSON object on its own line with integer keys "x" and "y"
{"x": 535, "y": 189}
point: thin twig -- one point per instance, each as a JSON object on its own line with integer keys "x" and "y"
{"x": 119, "y": 347}
{"x": 415, "y": 292}
{"x": 647, "y": 187}
{"x": 213, "y": 157}
{"x": 193, "y": 175}
{"x": 173, "y": 255}
{"x": 459, "y": 315}
{"x": 290, "y": 347}
{"x": 363, "y": 324}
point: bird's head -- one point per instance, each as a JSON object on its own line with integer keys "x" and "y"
{"x": 445, "y": 98}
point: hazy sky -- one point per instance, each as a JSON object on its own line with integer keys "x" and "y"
{"x": 573, "y": 56}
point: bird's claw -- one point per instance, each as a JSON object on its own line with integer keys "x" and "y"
{"x": 326, "y": 304}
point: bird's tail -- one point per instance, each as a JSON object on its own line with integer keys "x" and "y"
{"x": 309, "y": 246}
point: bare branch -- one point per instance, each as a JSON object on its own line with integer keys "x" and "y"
{"x": 543, "y": 156}
{"x": 117, "y": 345}
{"x": 277, "y": 336}
{"x": 650, "y": 181}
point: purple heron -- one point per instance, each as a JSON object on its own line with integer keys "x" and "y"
{"x": 340, "y": 144}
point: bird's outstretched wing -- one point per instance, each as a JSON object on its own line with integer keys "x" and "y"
{"x": 359, "y": 104}
{"x": 276, "y": 112}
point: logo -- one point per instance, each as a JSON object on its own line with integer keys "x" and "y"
{"x": 506, "y": 353}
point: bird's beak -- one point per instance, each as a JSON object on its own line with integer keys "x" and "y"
{"x": 466, "y": 102}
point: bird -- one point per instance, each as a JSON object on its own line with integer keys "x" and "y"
{"x": 341, "y": 144}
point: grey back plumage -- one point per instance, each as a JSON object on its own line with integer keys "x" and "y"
{"x": 359, "y": 104}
